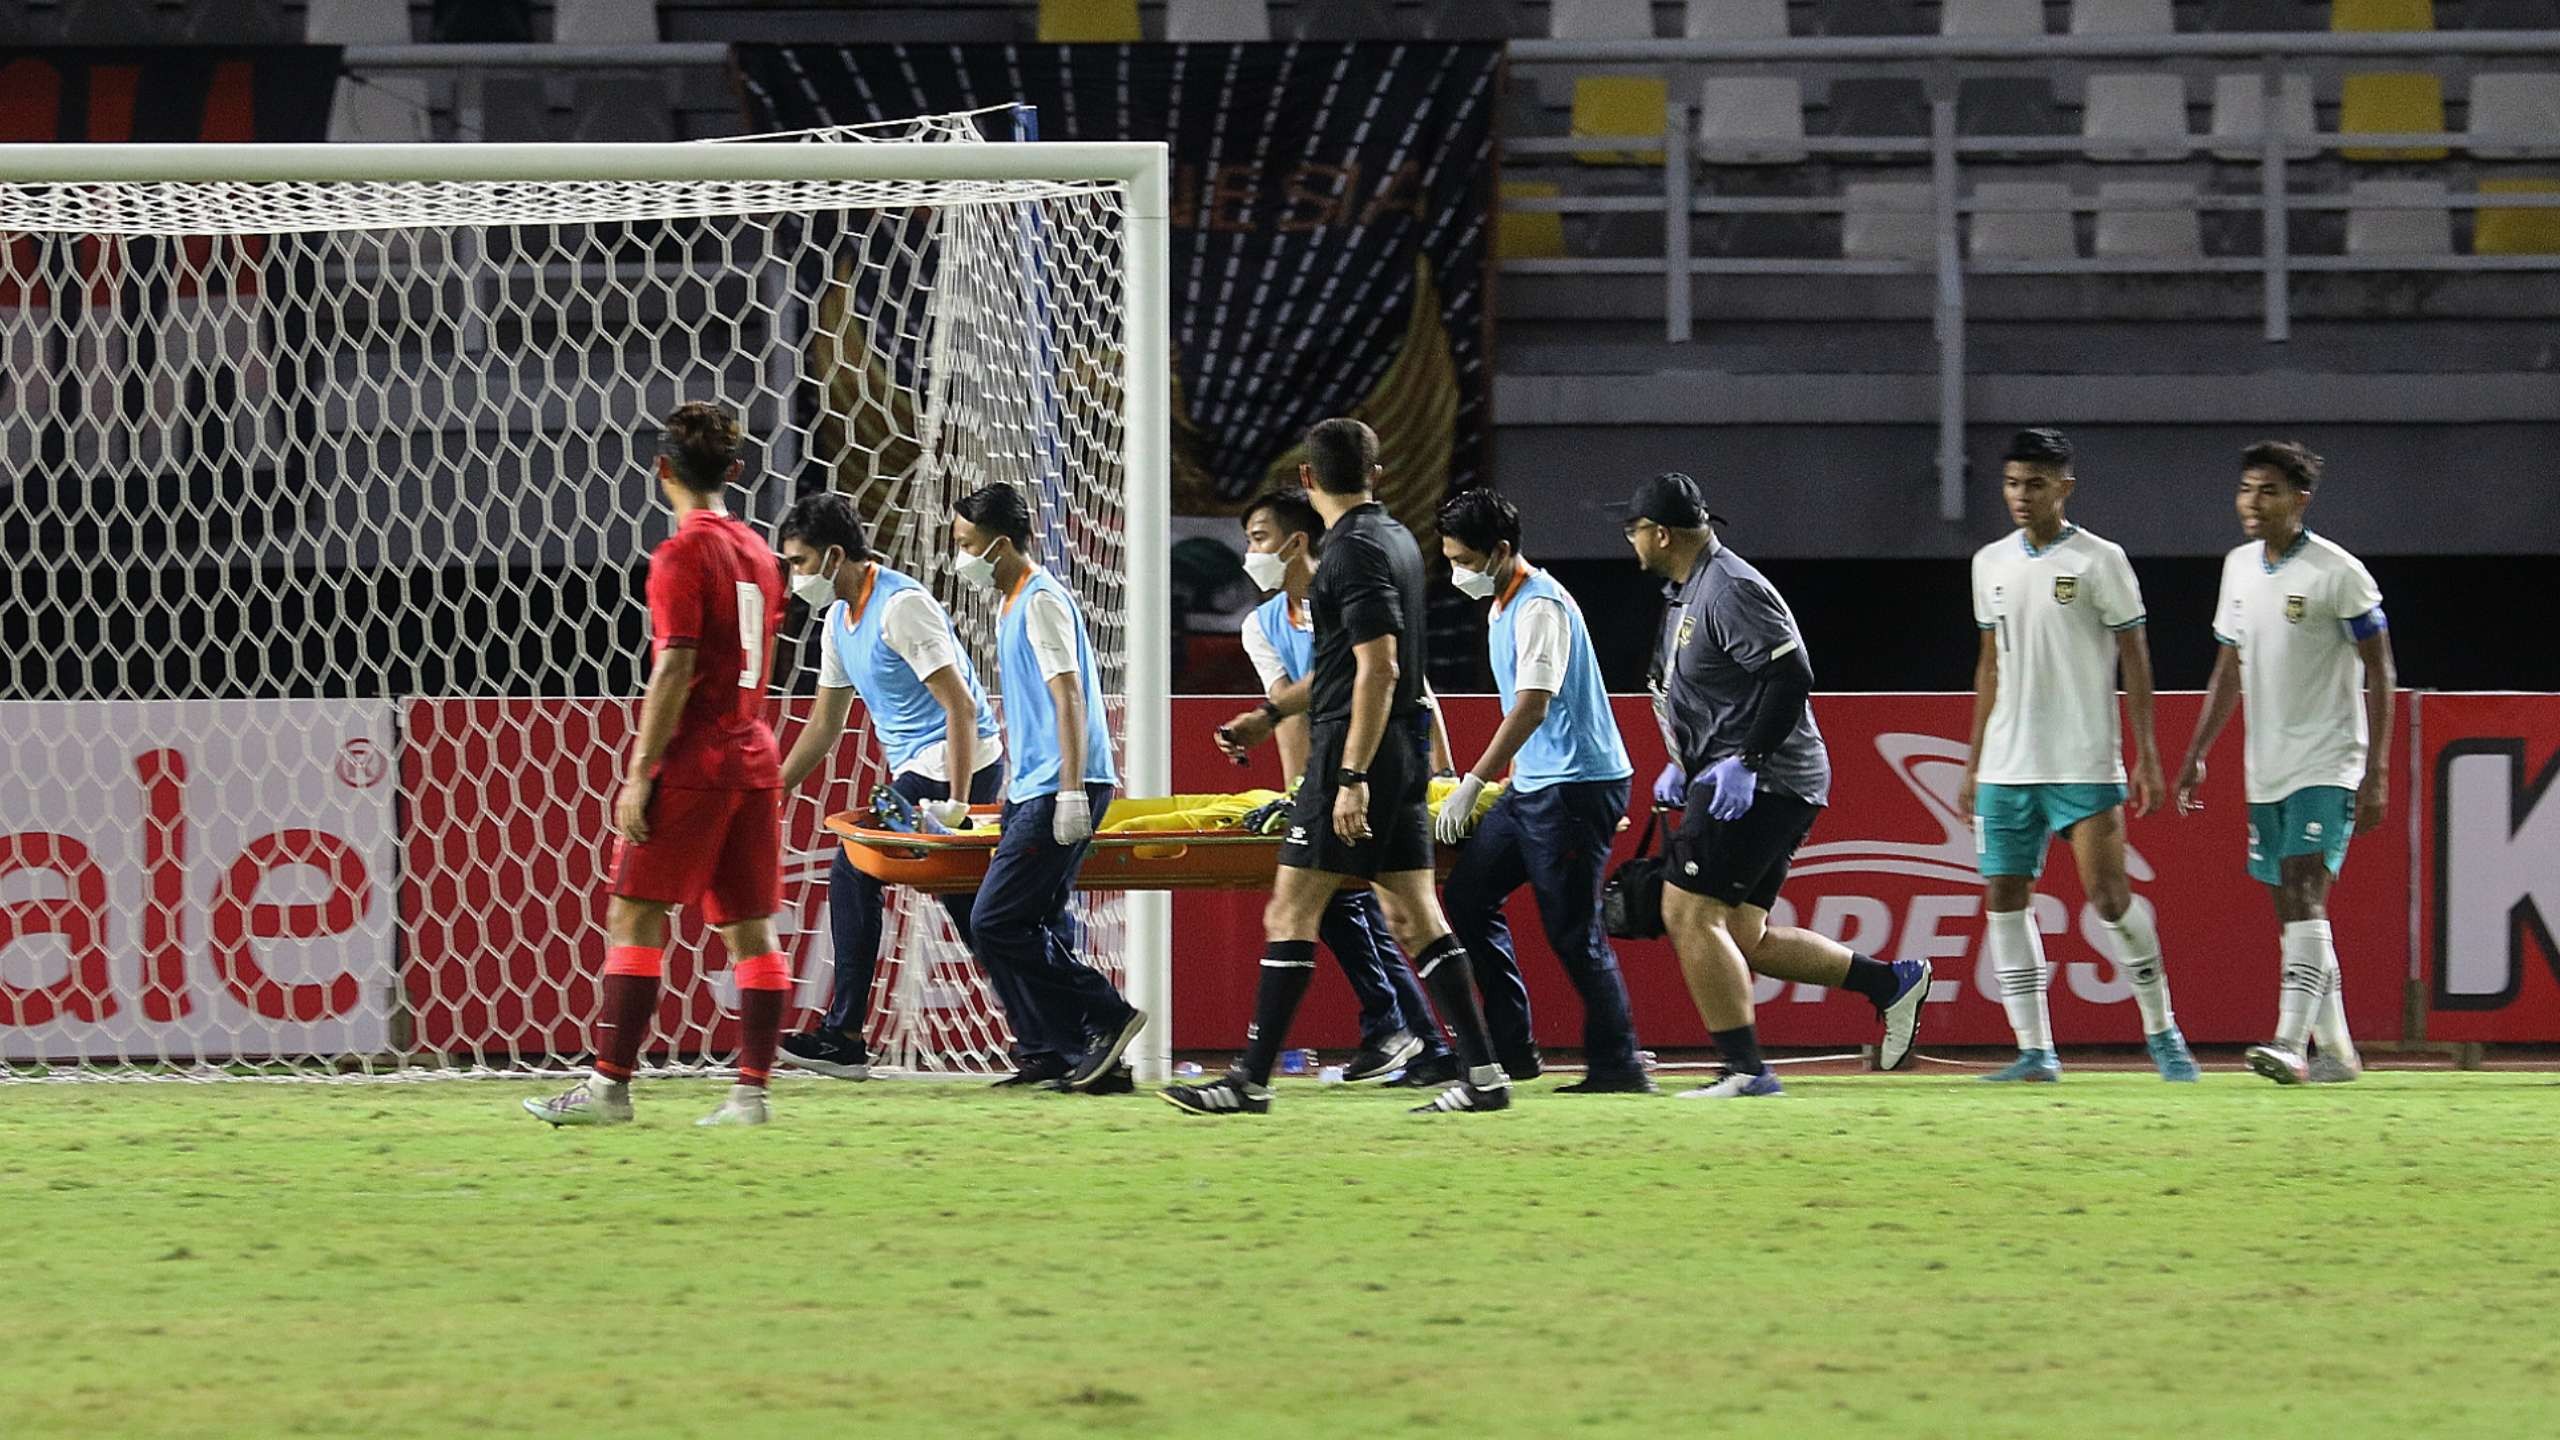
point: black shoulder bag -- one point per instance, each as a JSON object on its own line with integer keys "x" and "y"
{"x": 1631, "y": 903}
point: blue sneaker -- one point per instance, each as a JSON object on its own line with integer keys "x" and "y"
{"x": 2032, "y": 1066}
{"x": 1734, "y": 1085}
{"x": 2169, "y": 1051}
{"x": 1901, "y": 1014}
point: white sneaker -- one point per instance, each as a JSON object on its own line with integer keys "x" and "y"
{"x": 593, "y": 1101}
{"x": 2283, "y": 1066}
{"x": 745, "y": 1106}
{"x": 1734, "y": 1085}
{"x": 2328, "y": 1069}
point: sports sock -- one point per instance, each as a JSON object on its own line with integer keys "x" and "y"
{"x": 764, "y": 983}
{"x": 1447, "y": 978}
{"x": 2329, "y": 1020}
{"x": 2307, "y": 958}
{"x": 2138, "y": 954}
{"x": 2017, "y": 957}
{"x": 630, "y": 1000}
{"x": 1871, "y": 978}
{"x": 1740, "y": 1048}
{"x": 1288, "y": 968}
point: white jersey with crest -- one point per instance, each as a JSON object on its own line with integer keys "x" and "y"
{"x": 2054, "y": 614}
{"x": 2292, "y": 623}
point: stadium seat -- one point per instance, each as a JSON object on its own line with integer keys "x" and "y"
{"x": 2426, "y": 229}
{"x": 1887, "y": 220}
{"x": 1620, "y": 105}
{"x": 2382, "y": 15}
{"x": 1350, "y": 20}
{"x": 1991, "y": 17}
{"x": 1079, "y": 22}
{"x": 2251, "y": 17}
{"x": 2239, "y": 102}
{"x": 112, "y": 22}
{"x": 1529, "y": 234}
{"x": 2044, "y": 233}
{"x": 481, "y": 22}
{"x": 604, "y": 22}
{"x": 506, "y": 105}
{"x": 1736, "y": 20}
{"x": 1871, "y": 17}
{"x": 620, "y": 108}
{"x": 1753, "y": 107}
{"x": 2392, "y": 103}
{"x": 1217, "y": 20}
{"x": 234, "y": 22}
{"x": 2514, "y": 229}
{"x": 1474, "y": 20}
{"x": 2137, "y": 117}
{"x": 1600, "y": 20}
{"x": 383, "y": 110}
{"x": 2123, "y": 17}
{"x": 2147, "y": 234}
{"x": 1877, "y": 106}
{"x": 2511, "y": 15}
{"x": 2506, "y": 103}
{"x": 356, "y": 22}
{"x": 2008, "y": 105}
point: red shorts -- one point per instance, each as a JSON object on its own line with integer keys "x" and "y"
{"x": 722, "y": 844}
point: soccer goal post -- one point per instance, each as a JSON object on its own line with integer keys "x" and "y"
{"x": 324, "y": 524}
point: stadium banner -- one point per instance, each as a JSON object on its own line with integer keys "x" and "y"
{"x": 2489, "y": 866}
{"x": 197, "y": 879}
{"x": 1889, "y": 871}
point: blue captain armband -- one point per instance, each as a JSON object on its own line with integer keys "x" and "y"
{"x": 2371, "y": 623}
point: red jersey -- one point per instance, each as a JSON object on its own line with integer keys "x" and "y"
{"x": 716, "y": 586}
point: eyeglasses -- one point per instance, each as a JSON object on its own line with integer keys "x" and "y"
{"x": 1630, "y": 528}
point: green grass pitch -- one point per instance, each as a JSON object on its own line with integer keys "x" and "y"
{"x": 1889, "y": 1257}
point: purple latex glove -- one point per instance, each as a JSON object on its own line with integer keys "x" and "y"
{"x": 1671, "y": 787}
{"x": 1730, "y": 788}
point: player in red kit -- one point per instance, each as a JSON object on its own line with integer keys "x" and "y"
{"x": 699, "y": 815}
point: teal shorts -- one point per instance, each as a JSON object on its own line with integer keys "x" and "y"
{"x": 2014, "y": 825}
{"x": 2315, "y": 820}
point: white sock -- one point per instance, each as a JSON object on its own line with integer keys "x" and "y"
{"x": 1488, "y": 1077}
{"x": 2307, "y": 958}
{"x": 605, "y": 1087}
{"x": 2329, "y": 1021}
{"x": 2138, "y": 954}
{"x": 742, "y": 1094}
{"x": 2017, "y": 956}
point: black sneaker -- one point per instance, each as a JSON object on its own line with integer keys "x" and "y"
{"x": 1230, "y": 1095}
{"x": 1430, "y": 1072}
{"x": 1120, "y": 1081}
{"x": 1464, "y": 1097}
{"x": 1376, "y": 1062}
{"x": 1524, "y": 1064}
{"x": 1033, "y": 1070}
{"x": 1102, "y": 1052}
{"x": 1612, "y": 1082}
{"x": 828, "y": 1052}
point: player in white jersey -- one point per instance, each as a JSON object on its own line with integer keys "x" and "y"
{"x": 2059, "y": 610}
{"x": 2305, "y": 641}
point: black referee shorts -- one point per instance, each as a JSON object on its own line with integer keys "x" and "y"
{"x": 1399, "y": 808}
{"x": 1742, "y": 861}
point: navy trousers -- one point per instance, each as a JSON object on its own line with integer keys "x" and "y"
{"x": 1391, "y": 999}
{"x": 857, "y": 913}
{"x": 1555, "y": 841}
{"x": 1025, "y": 932}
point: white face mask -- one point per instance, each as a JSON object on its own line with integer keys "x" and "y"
{"x": 815, "y": 590}
{"x": 1474, "y": 584}
{"x": 1267, "y": 572}
{"x": 977, "y": 570}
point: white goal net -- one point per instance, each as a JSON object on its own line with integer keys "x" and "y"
{"x": 323, "y": 532}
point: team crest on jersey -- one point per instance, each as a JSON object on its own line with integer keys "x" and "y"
{"x": 1681, "y": 641}
{"x": 2066, "y": 588}
{"x": 2295, "y": 607}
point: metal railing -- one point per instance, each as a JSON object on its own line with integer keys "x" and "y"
{"x": 1940, "y": 61}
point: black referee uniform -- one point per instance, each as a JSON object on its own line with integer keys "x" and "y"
{"x": 1370, "y": 585}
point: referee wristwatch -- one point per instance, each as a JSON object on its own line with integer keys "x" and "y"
{"x": 1348, "y": 776}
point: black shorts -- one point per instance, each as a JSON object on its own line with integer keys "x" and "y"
{"x": 1399, "y": 808}
{"x": 1742, "y": 861}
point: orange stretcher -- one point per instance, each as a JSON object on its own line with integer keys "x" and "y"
{"x": 1209, "y": 859}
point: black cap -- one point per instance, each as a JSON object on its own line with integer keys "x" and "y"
{"x": 1672, "y": 499}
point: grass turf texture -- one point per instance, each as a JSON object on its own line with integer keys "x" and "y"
{"x": 1896, "y": 1257}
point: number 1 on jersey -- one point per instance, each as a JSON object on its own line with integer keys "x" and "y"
{"x": 751, "y": 635}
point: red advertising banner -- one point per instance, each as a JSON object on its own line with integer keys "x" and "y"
{"x": 2489, "y": 866}
{"x": 1889, "y": 871}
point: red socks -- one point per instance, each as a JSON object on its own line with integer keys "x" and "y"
{"x": 764, "y": 986}
{"x": 630, "y": 1002}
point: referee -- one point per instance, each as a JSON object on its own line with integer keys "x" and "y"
{"x": 1733, "y": 689}
{"x": 1361, "y": 812}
